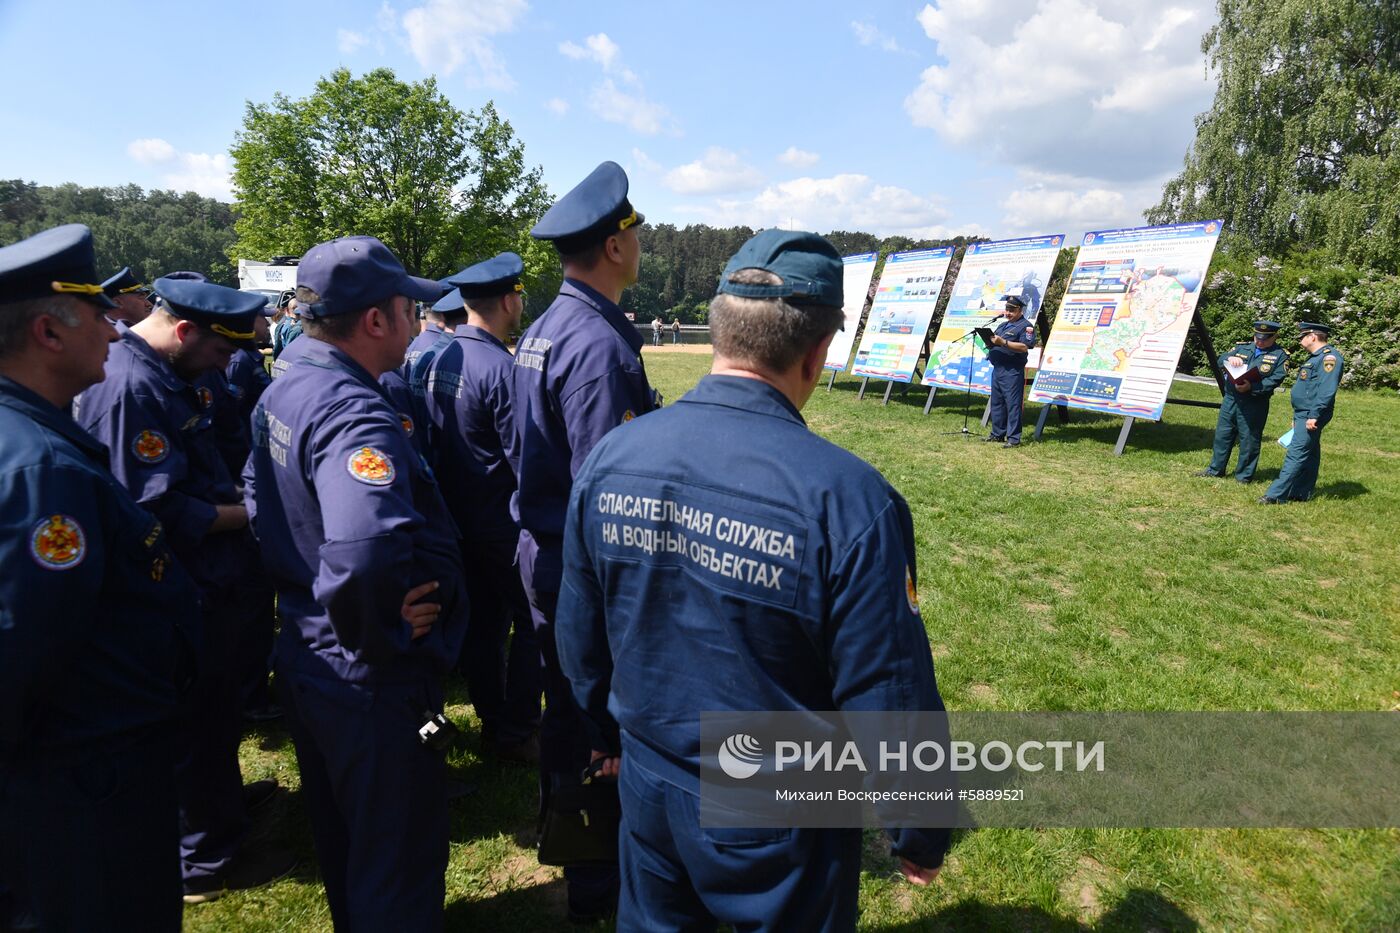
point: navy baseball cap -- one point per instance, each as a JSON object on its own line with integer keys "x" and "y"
{"x": 594, "y": 210}
{"x": 809, "y": 266}
{"x": 499, "y": 275}
{"x": 58, "y": 261}
{"x": 226, "y": 311}
{"x": 357, "y": 272}
{"x": 124, "y": 283}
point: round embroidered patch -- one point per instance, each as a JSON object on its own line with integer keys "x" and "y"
{"x": 57, "y": 543}
{"x": 150, "y": 447}
{"x": 206, "y": 398}
{"x": 910, "y": 593}
{"x": 370, "y": 465}
{"x": 407, "y": 423}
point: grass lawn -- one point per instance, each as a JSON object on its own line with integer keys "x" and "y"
{"x": 1102, "y": 583}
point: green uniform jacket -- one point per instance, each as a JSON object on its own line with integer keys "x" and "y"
{"x": 1316, "y": 387}
{"x": 1272, "y": 365}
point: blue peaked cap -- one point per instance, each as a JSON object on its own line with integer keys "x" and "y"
{"x": 809, "y": 266}
{"x": 594, "y": 210}
{"x": 226, "y": 311}
{"x": 58, "y": 261}
{"x": 499, "y": 275}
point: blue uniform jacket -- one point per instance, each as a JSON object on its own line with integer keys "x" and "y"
{"x": 471, "y": 424}
{"x": 1022, "y": 331}
{"x": 247, "y": 379}
{"x": 97, "y": 620}
{"x": 578, "y": 374}
{"x": 161, "y": 435}
{"x": 720, "y": 556}
{"x": 407, "y": 385}
{"x": 1272, "y": 364}
{"x": 350, "y": 519}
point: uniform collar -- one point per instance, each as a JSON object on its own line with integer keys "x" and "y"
{"x": 744, "y": 394}
{"x": 146, "y": 354}
{"x": 472, "y": 332}
{"x": 326, "y": 356}
{"x": 610, "y": 312}
{"x": 34, "y": 406}
{"x": 1322, "y": 349}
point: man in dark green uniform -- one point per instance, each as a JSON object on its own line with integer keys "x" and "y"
{"x": 1313, "y": 396}
{"x": 1245, "y": 407}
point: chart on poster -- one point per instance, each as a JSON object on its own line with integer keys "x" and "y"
{"x": 858, "y": 271}
{"x": 1123, "y": 322}
{"x": 990, "y": 271}
{"x": 899, "y": 317}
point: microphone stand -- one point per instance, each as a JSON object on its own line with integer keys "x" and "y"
{"x": 967, "y": 392}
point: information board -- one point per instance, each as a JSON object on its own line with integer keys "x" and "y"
{"x": 858, "y": 270}
{"x": 1123, "y": 322}
{"x": 990, "y": 272}
{"x": 899, "y": 318}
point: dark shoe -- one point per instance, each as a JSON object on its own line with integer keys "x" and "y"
{"x": 526, "y": 752}
{"x": 1244, "y": 482}
{"x": 247, "y": 870}
{"x": 269, "y": 713}
{"x": 1012, "y": 444}
{"x": 1207, "y": 473}
{"x": 258, "y": 794}
{"x": 993, "y": 439}
{"x": 1270, "y": 500}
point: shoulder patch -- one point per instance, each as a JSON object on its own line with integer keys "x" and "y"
{"x": 407, "y": 423}
{"x": 911, "y": 594}
{"x": 206, "y": 397}
{"x": 1029, "y": 331}
{"x": 150, "y": 447}
{"x": 1303, "y": 373}
{"x": 57, "y": 543}
{"x": 1329, "y": 362}
{"x": 371, "y": 465}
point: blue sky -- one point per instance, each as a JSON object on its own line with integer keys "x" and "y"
{"x": 996, "y": 117}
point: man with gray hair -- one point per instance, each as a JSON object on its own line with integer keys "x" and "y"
{"x": 825, "y": 619}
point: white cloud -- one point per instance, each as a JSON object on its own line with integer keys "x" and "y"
{"x": 869, "y": 35}
{"x": 200, "y": 172}
{"x": 349, "y": 41}
{"x": 841, "y": 202}
{"x": 644, "y": 162}
{"x": 799, "y": 158}
{"x": 147, "y": 151}
{"x": 447, "y": 35}
{"x": 601, "y": 50}
{"x": 1099, "y": 90}
{"x": 615, "y": 105}
{"x": 1050, "y": 203}
{"x": 557, "y": 106}
{"x": 719, "y": 171}
{"x": 627, "y": 105}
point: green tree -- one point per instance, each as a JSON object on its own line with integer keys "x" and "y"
{"x": 1299, "y": 149}
{"x": 374, "y": 155}
{"x": 153, "y": 233}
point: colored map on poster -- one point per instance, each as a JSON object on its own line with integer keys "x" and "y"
{"x": 900, "y": 315}
{"x": 858, "y": 270}
{"x": 1123, "y": 322}
{"x": 989, "y": 273}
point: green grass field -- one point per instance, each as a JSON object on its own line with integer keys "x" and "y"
{"x": 1102, "y": 584}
